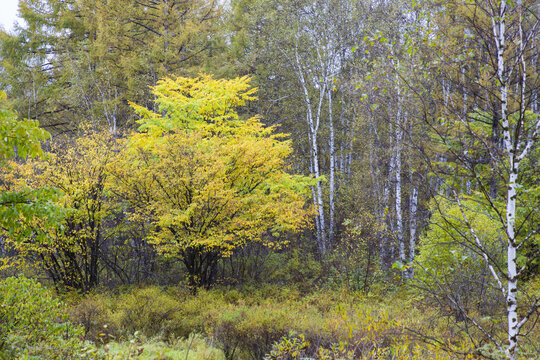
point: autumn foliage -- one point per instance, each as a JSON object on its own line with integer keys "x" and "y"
{"x": 208, "y": 180}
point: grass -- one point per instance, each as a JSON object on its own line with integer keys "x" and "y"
{"x": 196, "y": 347}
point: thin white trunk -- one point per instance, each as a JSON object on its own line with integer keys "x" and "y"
{"x": 398, "y": 195}
{"x": 511, "y": 293}
{"x": 314, "y": 195}
{"x": 387, "y": 188}
{"x": 35, "y": 96}
{"x": 320, "y": 205}
{"x": 332, "y": 167}
{"x": 341, "y": 166}
{"x": 313, "y": 121}
{"x": 535, "y": 102}
{"x": 345, "y": 125}
{"x": 375, "y": 179}
{"x": 348, "y": 162}
{"x": 464, "y": 89}
{"x": 413, "y": 206}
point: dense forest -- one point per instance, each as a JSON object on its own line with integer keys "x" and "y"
{"x": 270, "y": 179}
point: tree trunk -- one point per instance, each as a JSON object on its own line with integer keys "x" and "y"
{"x": 313, "y": 121}
{"x": 332, "y": 167}
{"x": 413, "y": 206}
{"x": 499, "y": 28}
{"x": 398, "y": 194}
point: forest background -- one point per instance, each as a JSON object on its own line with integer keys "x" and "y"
{"x": 270, "y": 179}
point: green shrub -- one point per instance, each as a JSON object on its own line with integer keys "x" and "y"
{"x": 297, "y": 268}
{"x": 149, "y": 310}
{"x": 449, "y": 266}
{"x": 251, "y": 330}
{"x": 94, "y": 314}
{"x": 291, "y": 347}
{"x": 197, "y": 313}
{"x": 34, "y": 324}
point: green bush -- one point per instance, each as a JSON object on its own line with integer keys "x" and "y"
{"x": 354, "y": 262}
{"x": 34, "y": 324}
{"x": 94, "y": 314}
{"x": 449, "y": 266}
{"x": 290, "y": 347}
{"x": 149, "y": 310}
{"x": 251, "y": 330}
{"x": 297, "y": 268}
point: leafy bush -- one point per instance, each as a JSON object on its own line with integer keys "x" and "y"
{"x": 149, "y": 310}
{"x": 34, "y": 324}
{"x": 344, "y": 329}
{"x": 297, "y": 268}
{"x": 291, "y": 347}
{"x": 354, "y": 263}
{"x": 94, "y": 314}
{"x": 252, "y": 329}
{"x": 450, "y": 266}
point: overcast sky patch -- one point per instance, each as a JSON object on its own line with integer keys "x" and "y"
{"x": 8, "y": 13}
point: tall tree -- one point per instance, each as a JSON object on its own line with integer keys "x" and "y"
{"x": 487, "y": 126}
{"x": 74, "y": 60}
{"x": 305, "y": 47}
{"x": 208, "y": 180}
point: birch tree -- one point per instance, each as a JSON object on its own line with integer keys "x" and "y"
{"x": 313, "y": 44}
{"x": 386, "y": 69}
{"x": 518, "y": 141}
{"x": 489, "y": 130}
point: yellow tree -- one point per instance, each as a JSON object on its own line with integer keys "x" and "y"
{"x": 70, "y": 250}
{"x": 208, "y": 180}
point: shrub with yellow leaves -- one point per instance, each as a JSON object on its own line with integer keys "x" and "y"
{"x": 70, "y": 249}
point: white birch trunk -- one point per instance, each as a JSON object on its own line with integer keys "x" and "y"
{"x": 375, "y": 179}
{"x": 332, "y": 167}
{"x": 464, "y": 89}
{"x": 386, "y": 199}
{"x": 413, "y": 206}
{"x": 398, "y": 195}
{"x": 314, "y": 196}
{"x": 313, "y": 121}
{"x": 499, "y": 29}
{"x": 320, "y": 204}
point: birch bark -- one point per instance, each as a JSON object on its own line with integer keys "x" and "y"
{"x": 332, "y": 166}
{"x": 413, "y": 206}
{"x": 398, "y": 192}
{"x": 314, "y": 121}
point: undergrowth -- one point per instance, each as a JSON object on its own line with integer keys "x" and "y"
{"x": 271, "y": 322}
{"x": 268, "y": 322}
